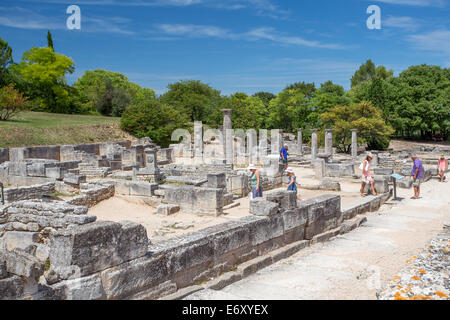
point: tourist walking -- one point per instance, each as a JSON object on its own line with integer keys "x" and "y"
{"x": 255, "y": 182}
{"x": 417, "y": 174}
{"x": 442, "y": 167}
{"x": 292, "y": 185}
{"x": 366, "y": 177}
{"x": 284, "y": 156}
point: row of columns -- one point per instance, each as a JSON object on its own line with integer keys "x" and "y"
{"x": 328, "y": 142}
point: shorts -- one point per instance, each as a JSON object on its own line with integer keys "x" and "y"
{"x": 284, "y": 161}
{"x": 417, "y": 183}
{"x": 367, "y": 179}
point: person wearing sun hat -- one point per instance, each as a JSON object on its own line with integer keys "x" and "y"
{"x": 366, "y": 177}
{"x": 292, "y": 185}
{"x": 255, "y": 182}
{"x": 442, "y": 167}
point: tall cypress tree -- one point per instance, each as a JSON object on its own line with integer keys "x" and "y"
{"x": 50, "y": 40}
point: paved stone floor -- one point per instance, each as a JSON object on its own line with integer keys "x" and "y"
{"x": 354, "y": 265}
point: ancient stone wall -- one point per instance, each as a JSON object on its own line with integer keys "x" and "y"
{"x": 28, "y": 193}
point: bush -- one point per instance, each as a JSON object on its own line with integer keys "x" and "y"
{"x": 151, "y": 118}
{"x": 11, "y": 102}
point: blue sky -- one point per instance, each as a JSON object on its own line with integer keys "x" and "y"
{"x": 233, "y": 45}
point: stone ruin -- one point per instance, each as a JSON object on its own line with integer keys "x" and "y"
{"x": 51, "y": 248}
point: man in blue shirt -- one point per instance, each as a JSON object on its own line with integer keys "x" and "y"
{"x": 283, "y": 155}
{"x": 417, "y": 174}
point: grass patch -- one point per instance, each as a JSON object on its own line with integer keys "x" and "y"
{"x": 40, "y": 128}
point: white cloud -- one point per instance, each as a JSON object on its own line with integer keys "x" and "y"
{"x": 419, "y": 3}
{"x": 263, "y": 33}
{"x": 436, "y": 41}
{"x": 407, "y": 23}
{"x": 22, "y": 18}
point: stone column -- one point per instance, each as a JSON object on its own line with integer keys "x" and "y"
{"x": 262, "y": 150}
{"x": 228, "y": 135}
{"x": 329, "y": 141}
{"x": 198, "y": 141}
{"x": 314, "y": 144}
{"x": 354, "y": 143}
{"x": 251, "y": 146}
{"x": 275, "y": 141}
{"x": 300, "y": 140}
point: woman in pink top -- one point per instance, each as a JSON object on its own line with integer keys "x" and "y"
{"x": 442, "y": 167}
{"x": 366, "y": 178}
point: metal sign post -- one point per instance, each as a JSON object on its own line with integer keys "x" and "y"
{"x": 396, "y": 177}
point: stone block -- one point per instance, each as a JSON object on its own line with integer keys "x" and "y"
{"x": 383, "y": 171}
{"x": 19, "y": 239}
{"x": 36, "y": 169}
{"x": 23, "y": 264}
{"x": 285, "y": 199}
{"x": 134, "y": 276}
{"x": 381, "y": 185}
{"x": 74, "y": 179}
{"x": 217, "y": 180}
{"x": 97, "y": 246}
{"x": 85, "y": 288}
{"x": 142, "y": 189}
{"x": 167, "y": 209}
{"x": 263, "y": 207}
{"x": 11, "y": 288}
{"x": 54, "y": 173}
{"x": 324, "y": 213}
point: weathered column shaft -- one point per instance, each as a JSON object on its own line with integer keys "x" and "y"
{"x": 300, "y": 140}
{"x": 354, "y": 143}
{"x": 314, "y": 144}
{"x": 276, "y": 141}
{"x": 251, "y": 146}
{"x": 329, "y": 141}
{"x": 198, "y": 139}
{"x": 228, "y": 135}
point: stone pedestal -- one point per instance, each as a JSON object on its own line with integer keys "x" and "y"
{"x": 300, "y": 140}
{"x": 354, "y": 143}
{"x": 151, "y": 171}
{"x": 314, "y": 144}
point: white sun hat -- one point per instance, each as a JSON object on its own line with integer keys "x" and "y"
{"x": 251, "y": 167}
{"x": 290, "y": 170}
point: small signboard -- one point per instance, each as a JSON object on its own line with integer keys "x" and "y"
{"x": 397, "y": 176}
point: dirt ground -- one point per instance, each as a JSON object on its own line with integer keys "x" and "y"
{"x": 161, "y": 227}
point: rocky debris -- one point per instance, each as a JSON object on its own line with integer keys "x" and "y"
{"x": 426, "y": 276}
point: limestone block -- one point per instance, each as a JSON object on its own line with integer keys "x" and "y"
{"x": 74, "y": 179}
{"x": 97, "y": 246}
{"x": 383, "y": 171}
{"x": 54, "y": 173}
{"x": 381, "y": 185}
{"x": 11, "y": 288}
{"x": 23, "y": 264}
{"x": 285, "y": 199}
{"x": 217, "y": 180}
{"x": 324, "y": 213}
{"x": 142, "y": 189}
{"x": 263, "y": 207}
{"x": 85, "y": 288}
{"x": 167, "y": 209}
{"x": 405, "y": 183}
{"x": 19, "y": 239}
{"x": 36, "y": 169}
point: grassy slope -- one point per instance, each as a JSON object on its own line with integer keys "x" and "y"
{"x": 38, "y": 128}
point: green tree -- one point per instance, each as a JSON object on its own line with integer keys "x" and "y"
{"x": 108, "y": 93}
{"x": 50, "y": 40}
{"x": 153, "y": 119}
{"x": 6, "y": 59}
{"x": 11, "y": 102}
{"x": 197, "y": 100}
{"x": 265, "y": 97}
{"x": 45, "y": 72}
{"x": 363, "y": 116}
{"x": 248, "y": 112}
{"x": 368, "y": 71}
{"x": 289, "y": 110}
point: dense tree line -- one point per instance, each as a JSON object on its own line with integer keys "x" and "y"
{"x": 415, "y": 104}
